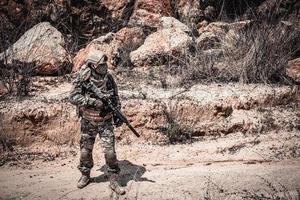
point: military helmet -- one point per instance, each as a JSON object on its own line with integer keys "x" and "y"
{"x": 96, "y": 57}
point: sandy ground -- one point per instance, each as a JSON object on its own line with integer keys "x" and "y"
{"x": 233, "y": 167}
{"x": 217, "y": 181}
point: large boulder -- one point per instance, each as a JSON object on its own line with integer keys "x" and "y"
{"x": 114, "y": 45}
{"x": 80, "y": 20}
{"x": 162, "y": 45}
{"x": 293, "y": 69}
{"x": 42, "y": 45}
{"x": 149, "y": 12}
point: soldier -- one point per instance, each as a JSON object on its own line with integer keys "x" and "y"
{"x": 96, "y": 117}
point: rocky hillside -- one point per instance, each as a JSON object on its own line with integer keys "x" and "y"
{"x": 217, "y": 35}
{"x": 204, "y": 68}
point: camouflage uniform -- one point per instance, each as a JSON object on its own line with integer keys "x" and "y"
{"x": 94, "y": 120}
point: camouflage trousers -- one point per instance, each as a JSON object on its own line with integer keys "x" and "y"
{"x": 88, "y": 134}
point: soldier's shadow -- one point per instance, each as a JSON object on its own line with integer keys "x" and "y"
{"x": 129, "y": 171}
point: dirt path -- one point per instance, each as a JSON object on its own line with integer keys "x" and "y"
{"x": 160, "y": 172}
{"x": 217, "y": 181}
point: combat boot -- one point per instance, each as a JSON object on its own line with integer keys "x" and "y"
{"x": 84, "y": 180}
{"x": 114, "y": 185}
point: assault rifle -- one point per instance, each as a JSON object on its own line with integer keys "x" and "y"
{"x": 91, "y": 86}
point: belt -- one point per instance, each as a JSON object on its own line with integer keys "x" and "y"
{"x": 94, "y": 116}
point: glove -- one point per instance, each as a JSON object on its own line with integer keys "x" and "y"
{"x": 117, "y": 121}
{"x": 95, "y": 103}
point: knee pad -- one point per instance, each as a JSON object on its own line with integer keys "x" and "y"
{"x": 111, "y": 160}
{"x": 110, "y": 157}
{"x": 85, "y": 154}
{"x": 86, "y": 160}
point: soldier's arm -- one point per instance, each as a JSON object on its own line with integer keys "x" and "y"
{"x": 77, "y": 94}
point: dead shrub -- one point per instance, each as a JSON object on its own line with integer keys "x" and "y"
{"x": 122, "y": 59}
{"x": 199, "y": 67}
{"x": 261, "y": 53}
{"x": 258, "y": 54}
{"x": 6, "y": 142}
{"x": 176, "y": 130}
{"x": 17, "y": 76}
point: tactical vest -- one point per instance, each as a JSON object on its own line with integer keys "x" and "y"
{"x": 106, "y": 86}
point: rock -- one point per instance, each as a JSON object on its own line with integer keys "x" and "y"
{"x": 293, "y": 69}
{"x": 202, "y": 24}
{"x": 160, "y": 45}
{"x": 221, "y": 28}
{"x": 171, "y": 22}
{"x": 3, "y": 89}
{"x": 214, "y": 110}
{"x": 114, "y": 45}
{"x": 218, "y": 34}
{"x": 59, "y": 121}
{"x": 42, "y": 45}
{"x": 21, "y": 15}
{"x": 81, "y": 20}
{"x": 241, "y": 26}
{"x": 149, "y": 12}
{"x": 190, "y": 12}
{"x": 215, "y": 27}
{"x": 206, "y": 109}
{"x": 119, "y": 9}
{"x": 208, "y": 40}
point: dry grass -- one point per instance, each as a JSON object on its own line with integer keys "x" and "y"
{"x": 176, "y": 129}
{"x": 17, "y": 76}
{"x": 256, "y": 55}
{"x": 261, "y": 54}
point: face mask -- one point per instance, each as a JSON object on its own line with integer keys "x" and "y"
{"x": 101, "y": 69}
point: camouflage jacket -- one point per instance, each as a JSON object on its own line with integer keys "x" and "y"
{"x": 82, "y": 97}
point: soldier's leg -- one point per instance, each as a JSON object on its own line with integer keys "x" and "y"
{"x": 87, "y": 140}
{"x": 107, "y": 139}
{"x": 108, "y": 144}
